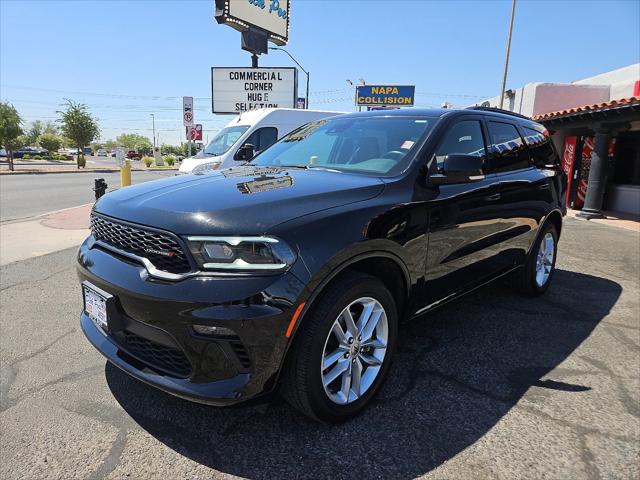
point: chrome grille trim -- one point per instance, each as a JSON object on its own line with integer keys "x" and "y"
{"x": 142, "y": 244}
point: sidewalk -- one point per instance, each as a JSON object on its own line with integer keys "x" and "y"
{"x": 46, "y": 169}
{"x": 613, "y": 219}
{"x": 45, "y": 234}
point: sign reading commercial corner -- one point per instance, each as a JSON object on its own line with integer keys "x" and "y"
{"x": 385, "y": 95}
{"x": 237, "y": 90}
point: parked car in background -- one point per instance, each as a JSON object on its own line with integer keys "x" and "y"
{"x": 259, "y": 128}
{"x": 132, "y": 155}
{"x": 87, "y": 151}
{"x": 293, "y": 270}
{"x": 21, "y": 152}
{"x": 101, "y": 153}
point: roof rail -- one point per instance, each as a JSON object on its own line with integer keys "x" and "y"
{"x": 498, "y": 110}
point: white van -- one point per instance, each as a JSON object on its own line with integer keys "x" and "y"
{"x": 260, "y": 128}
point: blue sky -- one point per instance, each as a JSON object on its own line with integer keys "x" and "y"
{"x": 129, "y": 59}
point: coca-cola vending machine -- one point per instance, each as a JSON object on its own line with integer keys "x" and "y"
{"x": 576, "y": 163}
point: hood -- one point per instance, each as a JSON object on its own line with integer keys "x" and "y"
{"x": 243, "y": 200}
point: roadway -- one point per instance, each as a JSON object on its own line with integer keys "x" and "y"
{"x": 23, "y": 196}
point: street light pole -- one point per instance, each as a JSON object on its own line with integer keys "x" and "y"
{"x": 301, "y": 68}
{"x": 153, "y": 119}
{"x": 506, "y": 61}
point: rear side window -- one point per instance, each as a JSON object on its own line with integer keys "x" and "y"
{"x": 540, "y": 148}
{"x": 509, "y": 151}
{"x": 463, "y": 137}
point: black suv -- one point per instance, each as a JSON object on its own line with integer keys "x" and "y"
{"x": 292, "y": 271}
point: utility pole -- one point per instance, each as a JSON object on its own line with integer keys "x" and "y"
{"x": 153, "y": 119}
{"x": 301, "y": 68}
{"x": 506, "y": 61}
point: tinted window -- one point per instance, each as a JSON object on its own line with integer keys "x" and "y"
{"x": 509, "y": 151}
{"x": 262, "y": 138}
{"x": 368, "y": 145}
{"x": 540, "y": 148}
{"x": 464, "y": 137}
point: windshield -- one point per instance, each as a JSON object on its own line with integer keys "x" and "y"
{"x": 225, "y": 139}
{"x": 367, "y": 145}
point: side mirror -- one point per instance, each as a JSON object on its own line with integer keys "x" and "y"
{"x": 245, "y": 152}
{"x": 459, "y": 168}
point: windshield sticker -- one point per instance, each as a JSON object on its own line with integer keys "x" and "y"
{"x": 407, "y": 144}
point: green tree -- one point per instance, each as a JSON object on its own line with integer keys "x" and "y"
{"x": 51, "y": 127}
{"x": 79, "y": 126}
{"x": 10, "y": 130}
{"x": 50, "y": 141}
{"x": 170, "y": 150}
{"x": 35, "y": 130}
{"x": 133, "y": 141}
{"x": 111, "y": 145}
{"x": 95, "y": 146}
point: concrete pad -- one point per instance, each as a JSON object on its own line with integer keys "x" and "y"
{"x": 42, "y": 235}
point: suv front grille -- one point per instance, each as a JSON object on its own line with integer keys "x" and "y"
{"x": 170, "y": 360}
{"x": 161, "y": 249}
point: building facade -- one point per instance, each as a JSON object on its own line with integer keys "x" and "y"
{"x": 595, "y": 124}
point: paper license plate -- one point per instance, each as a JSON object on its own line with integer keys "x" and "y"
{"x": 95, "y": 305}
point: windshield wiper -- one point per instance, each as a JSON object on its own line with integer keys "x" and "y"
{"x": 308, "y": 167}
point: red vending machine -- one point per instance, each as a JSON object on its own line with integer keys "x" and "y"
{"x": 576, "y": 163}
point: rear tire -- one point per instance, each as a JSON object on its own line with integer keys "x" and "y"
{"x": 307, "y": 378}
{"x": 535, "y": 276}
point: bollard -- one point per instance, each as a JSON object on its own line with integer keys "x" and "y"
{"x": 125, "y": 174}
{"x": 100, "y": 187}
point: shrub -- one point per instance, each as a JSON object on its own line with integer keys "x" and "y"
{"x": 36, "y": 157}
{"x": 26, "y": 156}
{"x": 148, "y": 161}
{"x": 170, "y": 159}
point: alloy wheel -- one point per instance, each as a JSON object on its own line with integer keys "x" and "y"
{"x": 354, "y": 350}
{"x": 544, "y": 261}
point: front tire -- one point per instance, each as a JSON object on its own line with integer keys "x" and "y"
{"x": 535, "y": 276}
{"x": 342, "y": 350}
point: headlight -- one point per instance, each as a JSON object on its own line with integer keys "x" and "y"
{"x": 205, "y": 167}
{"x": 241, "y": 254}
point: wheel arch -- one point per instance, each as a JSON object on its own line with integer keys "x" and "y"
{"x": 384, "y": 265}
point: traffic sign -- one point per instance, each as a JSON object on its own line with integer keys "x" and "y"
{"x": 194, "y": 133}
{"x": 187, "y": 111}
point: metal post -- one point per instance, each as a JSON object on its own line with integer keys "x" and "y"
{"x": 153, "y": 119}
{"x": 597, "y": 177}
{"x": 254, "y": 60}
{"x": 301, "y": 68}
{"x": 506, "y": 61}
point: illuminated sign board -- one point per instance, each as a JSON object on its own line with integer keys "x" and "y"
{"x": 385, "y": 95}
{"x": 269, "y": 16}
{"x": 237, "y": 90}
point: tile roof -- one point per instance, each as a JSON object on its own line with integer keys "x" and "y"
{"x": 596, "y": 107}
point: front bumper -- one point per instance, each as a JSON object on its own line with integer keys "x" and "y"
{"x": 150, "y": 334}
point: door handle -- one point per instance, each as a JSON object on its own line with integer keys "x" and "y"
{"x": 493, "y": 198}
{"x": 544, "y": 186}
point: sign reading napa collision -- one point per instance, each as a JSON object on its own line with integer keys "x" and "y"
{"x": 395, "y": 95}
{"x": 237, "y": 90}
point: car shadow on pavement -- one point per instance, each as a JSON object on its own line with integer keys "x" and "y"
{"x": 457, "y": 372}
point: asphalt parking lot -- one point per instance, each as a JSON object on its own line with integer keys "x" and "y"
{"x": 493, "y": 386}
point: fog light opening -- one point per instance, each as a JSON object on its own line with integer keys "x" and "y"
{"x": 213, "y": 331}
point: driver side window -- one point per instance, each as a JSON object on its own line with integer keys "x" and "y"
{"x": 464, "y": 137}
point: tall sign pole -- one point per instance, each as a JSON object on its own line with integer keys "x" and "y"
{"x": 506, "y": 61}
{"x": 187, "y": 116}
